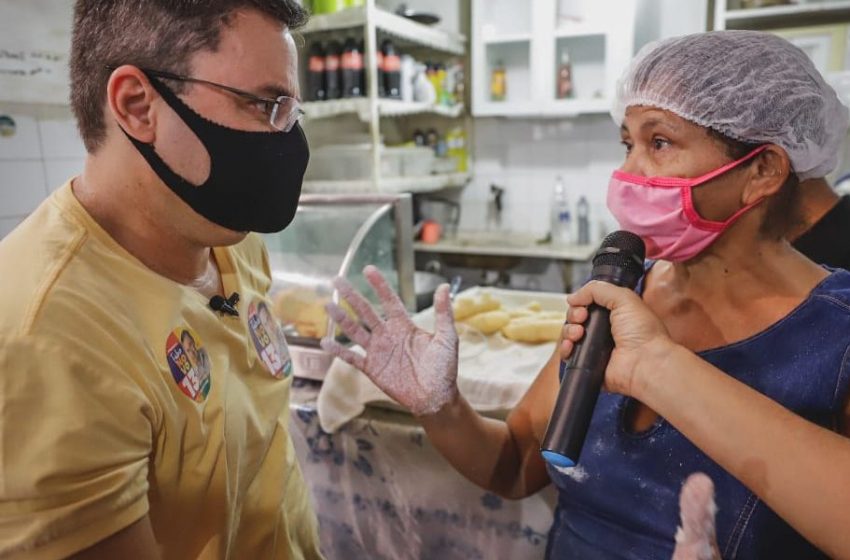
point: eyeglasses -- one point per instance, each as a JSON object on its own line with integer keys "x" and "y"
{"x": 283, "y": 111}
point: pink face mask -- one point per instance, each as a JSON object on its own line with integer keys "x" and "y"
{"x": 661, "y": 211}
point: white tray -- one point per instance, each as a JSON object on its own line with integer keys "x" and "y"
{"x": 493, "y": 372}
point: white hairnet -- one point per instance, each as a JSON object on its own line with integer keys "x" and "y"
{"x": 750, "y": 86}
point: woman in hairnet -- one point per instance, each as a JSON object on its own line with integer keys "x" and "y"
{"x": 745, "y": 377}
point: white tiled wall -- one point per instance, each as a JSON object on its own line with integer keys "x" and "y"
{"x": 525, "y": 157}
{"x": 43, "y": 153}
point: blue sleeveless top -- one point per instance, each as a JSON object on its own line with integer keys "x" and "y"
{"x": 623, "y": 500}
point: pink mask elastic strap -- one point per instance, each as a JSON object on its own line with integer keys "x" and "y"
{"x": 687, "y": 182}
{"x": 710, "y": 225}
{"x": 688, "y": 201}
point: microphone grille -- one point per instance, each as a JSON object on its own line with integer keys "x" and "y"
{"x": 622, "y": 249}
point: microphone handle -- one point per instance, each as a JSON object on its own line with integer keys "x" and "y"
{"x": 581, "y": 381}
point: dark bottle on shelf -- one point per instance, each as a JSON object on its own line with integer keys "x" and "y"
{"x": 382, "y": 89}
{"x": 316, "y": 90}
{"x": 392, "y": 70}
{"x": 352, "y": 69}
{"x": 364, "y": 80}
{"x": 332, "y": 78}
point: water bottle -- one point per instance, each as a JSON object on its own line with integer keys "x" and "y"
{"x": 583, "y": 216}
{"x": 562, "y": 217}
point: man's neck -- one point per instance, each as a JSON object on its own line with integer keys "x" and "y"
{"x": 123, "y": 206}
{"x": 816, "y": 199}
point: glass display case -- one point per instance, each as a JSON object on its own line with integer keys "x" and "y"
{"x": 336, "y": 235}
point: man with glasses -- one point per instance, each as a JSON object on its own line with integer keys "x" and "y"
{"x": 189, "y": 114}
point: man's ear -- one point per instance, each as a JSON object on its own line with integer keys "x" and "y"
{"x": 129, "y": 96}
{"x": 767, "y": 174}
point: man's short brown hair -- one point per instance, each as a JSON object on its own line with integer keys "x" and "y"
{"x": 159, "y": 34}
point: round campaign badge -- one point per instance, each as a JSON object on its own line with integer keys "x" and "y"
{"x": 189, "y": 363}
{"x": 269, "y": 340}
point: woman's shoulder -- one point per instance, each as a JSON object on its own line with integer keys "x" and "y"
{"x": 834, "y": 289}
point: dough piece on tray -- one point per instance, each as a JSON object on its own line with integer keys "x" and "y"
{"x": 466, "y": 307}
{"x": 489, "y": 322}
{"x": 534, "y": 329}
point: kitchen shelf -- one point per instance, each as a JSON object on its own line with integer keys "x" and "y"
{"x": 429, "y": 183}
{"x": 557, "y": 108}
{"x": 390, "y": 24}
{"x": 506, "y": 245}
{"x": 386, "y": 108}
{"x": 507, "y": 38}
{"x": 578, "y": 31}
{"x": 772, "y": 17}
{"x": 409, "y": 36}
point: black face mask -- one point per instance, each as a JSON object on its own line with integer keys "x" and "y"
{"x": 255, "y": 177}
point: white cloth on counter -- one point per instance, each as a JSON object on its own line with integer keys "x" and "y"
{"x": 493, "y": 372}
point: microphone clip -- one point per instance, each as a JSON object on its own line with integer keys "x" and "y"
{"x": 225, "y": 306}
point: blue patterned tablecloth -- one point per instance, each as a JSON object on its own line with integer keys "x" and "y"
{"x": 381, "y": 491}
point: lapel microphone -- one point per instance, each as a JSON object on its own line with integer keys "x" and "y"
{"x": 225, "y": 306}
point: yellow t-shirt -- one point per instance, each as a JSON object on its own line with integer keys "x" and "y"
{"x": 122, "y": 393}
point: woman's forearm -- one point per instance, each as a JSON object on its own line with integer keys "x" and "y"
{"x": 482, "y": 449}
{"x": 800, "y": 470}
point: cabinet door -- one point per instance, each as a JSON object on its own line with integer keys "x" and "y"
{"x": 502, "y": 32}
{"x": 560, "y": 57}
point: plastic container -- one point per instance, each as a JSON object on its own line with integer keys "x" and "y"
{"x": 350, "y": 162}
{"x": 416, "y": 161}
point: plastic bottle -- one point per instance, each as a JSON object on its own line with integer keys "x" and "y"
{"x": 583, "y": 218}
{"x": 432, "y": 139}
{"x": 392, "y": 70}
{"x": 565, "y": 76}
{"x": 456, "y": 141}
{"x": 499, "y": 82}
{"x": 332, "y": 78}
{"x": 460, "y": 85}
{"x": 408, "y": 76}
{"x": 382, "y": 89}
{"x": 364, "y": 82}
{"x": 419, "y": 137}
{"x": 352, "y": 69}
{"x": 316, "y": 73}
{"x": 436, "y": 79}
{"x": 440, "y": 78}
{"x": 562, "y": 218}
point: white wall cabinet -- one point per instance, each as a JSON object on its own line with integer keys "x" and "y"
{"x": 749, "y": 14}
{"x": 529, "y": 38}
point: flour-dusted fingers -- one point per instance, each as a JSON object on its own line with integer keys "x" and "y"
{"x": 358, "y": 303}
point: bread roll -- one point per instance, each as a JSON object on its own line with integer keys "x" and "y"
{"x": 534, "y": 329}
{"x": 489, "y": 322}
{"x": 466, "y": 307}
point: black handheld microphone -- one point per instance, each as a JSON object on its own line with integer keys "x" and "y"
{"x": 619, "y": 261}
{"x": 225, "y": 306}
